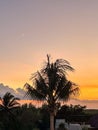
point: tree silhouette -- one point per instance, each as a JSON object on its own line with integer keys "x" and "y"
{"x": 8, "y": 103}
{"x": 51, "y": 84}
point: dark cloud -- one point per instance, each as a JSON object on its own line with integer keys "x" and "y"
{"x": 20, "y": 93}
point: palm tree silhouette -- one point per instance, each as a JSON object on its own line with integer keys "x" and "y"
{"x": 50, "y": 84}
{"x": 8, "y": 103}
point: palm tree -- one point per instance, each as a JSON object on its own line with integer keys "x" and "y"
{"x": 9, "y": 102}
{"x": 50, "y": 84}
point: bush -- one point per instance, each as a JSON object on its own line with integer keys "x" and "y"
{"x": 62, "y": 127}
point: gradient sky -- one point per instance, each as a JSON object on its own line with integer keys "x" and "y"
{"x": 68, "y": 29}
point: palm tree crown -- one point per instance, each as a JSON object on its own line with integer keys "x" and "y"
{"x": 8, "y": 102}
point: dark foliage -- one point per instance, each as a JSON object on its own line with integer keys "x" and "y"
{"x": 73, "y": 113}
{"x": 94, "y": 121}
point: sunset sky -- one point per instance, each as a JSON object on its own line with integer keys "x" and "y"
{"x": 68, "y": 29}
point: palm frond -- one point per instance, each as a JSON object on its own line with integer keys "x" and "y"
{"x": 6, "y": 99}
{"x": 13, "y": 102}
{"x": 67, "y": 91}
{"x": 34, "y": 93}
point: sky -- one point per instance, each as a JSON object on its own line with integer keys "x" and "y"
{"x": 67, "y": 29}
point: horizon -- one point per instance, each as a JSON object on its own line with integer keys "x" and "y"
{"x": 64, "y": 29}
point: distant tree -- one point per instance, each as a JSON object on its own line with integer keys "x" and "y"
{"x": 63, "y": 112}
{"x": 51, "y": 84}
{"x": 77, "y": 109}
{"x": 67, "y": 112}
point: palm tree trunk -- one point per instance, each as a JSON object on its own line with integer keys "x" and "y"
{"x": 51, "y": 121}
